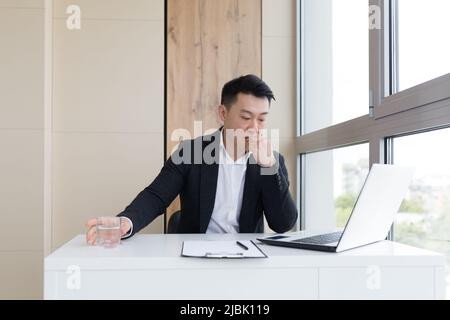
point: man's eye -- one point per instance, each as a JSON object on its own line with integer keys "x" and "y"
{"x": 262, "y": 120}
{"x": 245, "y": 118}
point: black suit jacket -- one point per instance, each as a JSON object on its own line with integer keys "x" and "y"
{"x": 195, "y": 180}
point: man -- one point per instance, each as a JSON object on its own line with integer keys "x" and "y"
{"x": 226, "y": 181}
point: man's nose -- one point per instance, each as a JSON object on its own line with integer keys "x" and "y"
{"x": 254, "y": 125}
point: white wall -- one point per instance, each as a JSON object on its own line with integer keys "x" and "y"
{"x": 81, "y": 125}
{"x": 108, "y": 91}
{"x": 21, "y": 148}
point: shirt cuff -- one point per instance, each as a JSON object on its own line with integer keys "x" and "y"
{"x": 128, "y": 234}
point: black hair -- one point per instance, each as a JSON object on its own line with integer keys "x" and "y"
{"x": 249, "y": 84}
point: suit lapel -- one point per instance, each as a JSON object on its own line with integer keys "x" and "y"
{"x": 208, "y": 181}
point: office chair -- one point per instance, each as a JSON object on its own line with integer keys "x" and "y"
{"x": 174, "y": 220}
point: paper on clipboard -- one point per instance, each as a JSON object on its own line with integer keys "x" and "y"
{"x": 221, "y": 249}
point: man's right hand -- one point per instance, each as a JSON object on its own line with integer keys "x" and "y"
{"x": 91, "y": 234}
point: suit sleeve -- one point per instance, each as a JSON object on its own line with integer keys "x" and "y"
{"x": 279, "y": 208}
{"x": 154, "y": 199}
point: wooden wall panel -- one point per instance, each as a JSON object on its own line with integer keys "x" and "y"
{"x": 209, "y": 42}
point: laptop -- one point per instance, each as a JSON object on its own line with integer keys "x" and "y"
{"x": 371, "y": 218}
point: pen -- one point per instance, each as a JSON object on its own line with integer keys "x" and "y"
{"x": 241, "y": 245}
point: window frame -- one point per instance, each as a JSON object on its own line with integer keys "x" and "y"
{"x": 421, "y": 108}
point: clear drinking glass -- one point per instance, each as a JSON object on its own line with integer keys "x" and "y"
{"x": 108, "y": 231}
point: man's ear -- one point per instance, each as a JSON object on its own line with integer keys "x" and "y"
{"x": 222, "y": 113}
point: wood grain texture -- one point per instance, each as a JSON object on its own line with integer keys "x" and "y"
{"x": 209, "y": 42}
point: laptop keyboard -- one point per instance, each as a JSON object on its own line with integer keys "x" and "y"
{"x": 322, "y": 238}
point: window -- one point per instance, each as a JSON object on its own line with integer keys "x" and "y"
{"x": 333, "y": 180}
{"x": 408, "y": 53}
{"x": 336, "y": 62}
{"x": 424, "y": 216}
{"x": 423, "y": 45}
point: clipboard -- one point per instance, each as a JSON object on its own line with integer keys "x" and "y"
{"x": 221, "y": 249}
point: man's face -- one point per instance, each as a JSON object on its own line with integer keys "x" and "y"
{"x": 248, "y": 112}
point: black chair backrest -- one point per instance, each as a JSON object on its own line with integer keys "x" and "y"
{"x": 174, "y": 220}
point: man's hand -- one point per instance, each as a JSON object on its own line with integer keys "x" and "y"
{"x": 91, "y": 234}
{"x": 261, "y": 148}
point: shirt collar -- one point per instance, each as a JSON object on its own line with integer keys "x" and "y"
{"x": 225, "y": 157}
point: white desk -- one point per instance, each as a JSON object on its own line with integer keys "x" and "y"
{"x": 150, "y": 267}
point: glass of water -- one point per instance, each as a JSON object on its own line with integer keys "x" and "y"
{"x": 108, "y": 231}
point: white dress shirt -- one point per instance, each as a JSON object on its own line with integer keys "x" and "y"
{"x": 229, "y": 192}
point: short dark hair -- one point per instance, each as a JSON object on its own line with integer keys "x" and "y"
{"x": 249, "y": 84}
